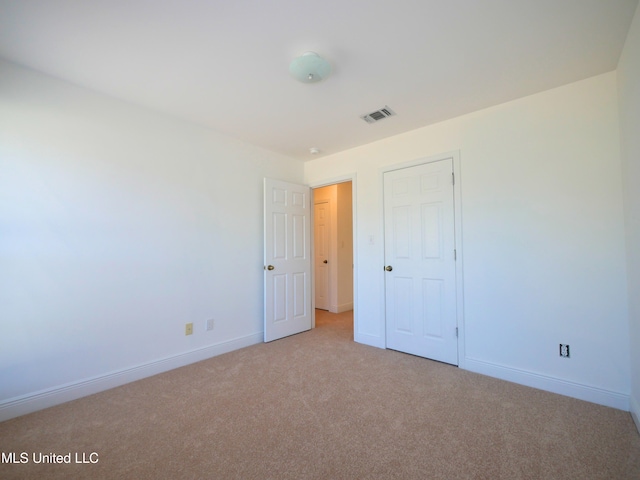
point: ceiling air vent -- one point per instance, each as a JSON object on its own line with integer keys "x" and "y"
{"x": 378, "y": 115}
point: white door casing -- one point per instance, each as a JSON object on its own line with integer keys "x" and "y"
{"x": 287, "y": 259}
{"x": 420, "y": 288}
{"x": 321, "y": 253}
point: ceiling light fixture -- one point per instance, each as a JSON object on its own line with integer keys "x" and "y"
{"x": 309, "y": 68}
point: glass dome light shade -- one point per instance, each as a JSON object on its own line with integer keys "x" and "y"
{"x": 309, "y": 68}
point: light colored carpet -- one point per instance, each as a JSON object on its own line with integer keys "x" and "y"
{"x": 319, "y": 406}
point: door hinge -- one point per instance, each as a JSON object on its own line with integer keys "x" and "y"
{"x": 453, "y": 178}
{"x": 455, "y": 255}
{"x": 456, "y": 332}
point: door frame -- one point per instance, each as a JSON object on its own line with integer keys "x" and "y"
{"x": 351, "y": 177}
{"x": 457, "y": 209}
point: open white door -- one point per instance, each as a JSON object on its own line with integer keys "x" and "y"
{"x": 287, "y": 259}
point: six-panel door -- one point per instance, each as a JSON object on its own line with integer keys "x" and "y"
{"x": 420, "y": 283}
{"x": 287, "y": 259}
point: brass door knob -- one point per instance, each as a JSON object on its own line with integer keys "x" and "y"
{"x": 325, "y": 262}
{"x": 388, "y": 268}
{"x": 270, "y": 267}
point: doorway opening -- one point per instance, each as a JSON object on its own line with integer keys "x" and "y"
{"x": 333, "y": 249}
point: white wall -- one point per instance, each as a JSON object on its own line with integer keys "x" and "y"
{"x": 344, "y": 245}
{"x": 629, "y": 97}
{"x": 118, "y": 226}
{"x": 543, "y": 238}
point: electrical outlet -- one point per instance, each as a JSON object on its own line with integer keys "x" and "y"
{"x": 210, "y": 324}
{"x": 564, "y": 350}
{"x": 188, "y": 329}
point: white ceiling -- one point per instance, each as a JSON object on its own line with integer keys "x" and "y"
{"x": 224, "y": 63}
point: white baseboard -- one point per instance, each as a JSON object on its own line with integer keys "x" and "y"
{"x": 634, "y": 408}
{"x": 14, "y": 407}
{"x": 371, "y": 340}
{"x": 345, "y": 307}
{"x": 550, "y": 384}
